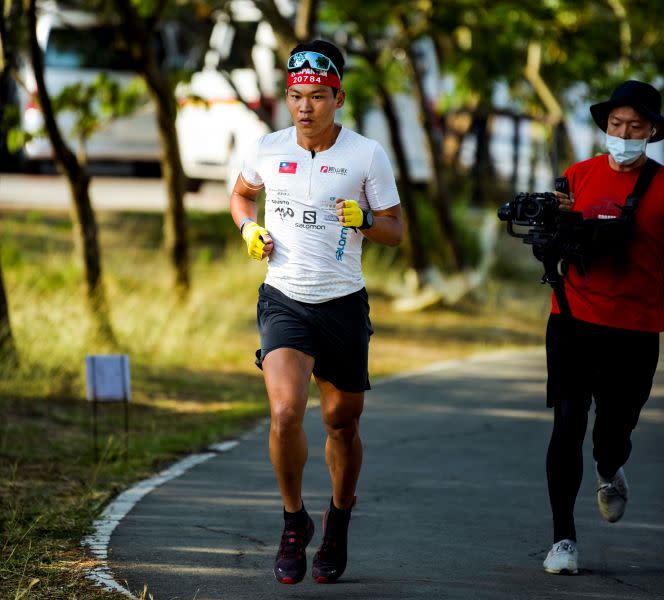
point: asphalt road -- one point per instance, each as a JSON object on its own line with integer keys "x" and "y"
{"x": 452, "y": 503}
{"x": 107, "y": 192}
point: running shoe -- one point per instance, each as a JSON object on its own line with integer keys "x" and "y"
{"x": 612, "y": 495}
{"x": 330, "y": 561}
{"x": 562, "y": 558}
{"x": 291, "y": 562}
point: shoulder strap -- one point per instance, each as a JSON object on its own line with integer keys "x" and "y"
{"x": 646, "y": 175}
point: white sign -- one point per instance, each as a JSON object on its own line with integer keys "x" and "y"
{"x": 108, "y": 377}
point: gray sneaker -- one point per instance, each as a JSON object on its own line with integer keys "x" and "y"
{"x": 562, "y": 558}
{"x": 612, "y": 495}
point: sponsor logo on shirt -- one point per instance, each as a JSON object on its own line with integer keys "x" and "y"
{"x": 341, "y": 245}
{"x": 287, "y": 167}
{"x": 333, "y": 170}
{"x": 309, "y": 221}
{"x": 284, "y": 212}
{"x": 331, "y": 211}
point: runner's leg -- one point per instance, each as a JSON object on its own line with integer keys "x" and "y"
{"x": 343, "y": 449}
{"x": 623, "y": 386}
{"x": 568, "y": 391}
{"x": 343, "y": 453}
{"x": 287, "y": 373}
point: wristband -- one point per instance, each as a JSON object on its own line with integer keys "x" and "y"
{"x": 244, "y": 221}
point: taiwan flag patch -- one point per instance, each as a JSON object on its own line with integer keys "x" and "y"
{"x": 287, "y": 167}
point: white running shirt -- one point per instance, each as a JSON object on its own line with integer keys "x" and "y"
{"x": 314, "y": 258}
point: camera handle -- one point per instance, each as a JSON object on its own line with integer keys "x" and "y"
{"x": 554, "y": 275}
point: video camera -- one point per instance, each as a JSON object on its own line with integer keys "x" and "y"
{"x": 557, "y": 236}
{"x": 529, "y": 209}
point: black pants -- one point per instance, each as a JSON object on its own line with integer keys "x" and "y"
{"x": 586, "y": 361}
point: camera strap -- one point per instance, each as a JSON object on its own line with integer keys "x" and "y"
{"x": 648, "y": 172}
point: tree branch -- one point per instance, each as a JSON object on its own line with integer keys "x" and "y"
{"x": 282, "y": 27}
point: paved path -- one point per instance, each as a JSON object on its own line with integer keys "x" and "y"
{"x": 452, "y": 504}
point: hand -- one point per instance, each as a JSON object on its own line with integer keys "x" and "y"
{"x": 349, "y": 213}
{"x": 566, "y": 202}
{"x": 259, "y": 242}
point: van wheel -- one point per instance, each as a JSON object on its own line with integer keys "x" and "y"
{"x": 35, "y": 167}
{"x": 193, "y": 184}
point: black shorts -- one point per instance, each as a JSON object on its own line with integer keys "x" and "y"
{"x": 586, "y": 361}
{"x": 336, "y": 333}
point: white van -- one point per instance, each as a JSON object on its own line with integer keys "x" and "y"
{"x": 77, "y": 48}
{"x": 213, "y": 124}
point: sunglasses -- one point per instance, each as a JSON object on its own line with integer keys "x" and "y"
{"x": 317, "y": 61}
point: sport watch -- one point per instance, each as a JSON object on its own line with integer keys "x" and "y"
{"x": 367, "y": 219}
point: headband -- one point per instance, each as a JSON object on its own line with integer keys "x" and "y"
{"x": 313, "y": 77}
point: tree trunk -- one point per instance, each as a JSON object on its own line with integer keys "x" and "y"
{"x": 139, "y": 38}
{"x": 434, "y": 150}
{"x": 516, "y": 153}
{"x": 483, "y": 173}
{"x": 562, "y": 151}
{"x": 85, "y": 225}
{"x": 419, "y": 260}
{"x": 8, "y": 353}
{"x": 175, "y": 225}
{"x": 307, "y": 16}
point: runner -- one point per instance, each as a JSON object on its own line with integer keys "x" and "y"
{"x": 326, "y": 189}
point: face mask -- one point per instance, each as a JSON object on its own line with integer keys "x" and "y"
{"x": 625, "y": 152}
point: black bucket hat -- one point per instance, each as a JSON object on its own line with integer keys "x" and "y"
{"x": 642, "y": 97}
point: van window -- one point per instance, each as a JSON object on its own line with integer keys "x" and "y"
{"x": 91, "y": 48}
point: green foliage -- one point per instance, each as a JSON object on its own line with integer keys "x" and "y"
{"x": 99, "y": 102}
{"x": 17, "y": 137}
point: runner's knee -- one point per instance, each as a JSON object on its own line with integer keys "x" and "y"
{"x": 340, "y": 425}
{"x": 285, "y": 421}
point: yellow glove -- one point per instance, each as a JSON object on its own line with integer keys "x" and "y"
{"x": 352, "y": 213}
{"x": 254, "y": 236}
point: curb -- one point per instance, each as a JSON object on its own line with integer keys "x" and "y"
{"x": 110, "y": 518}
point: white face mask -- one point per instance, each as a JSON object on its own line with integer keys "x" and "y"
{"x": 625, "y": 152}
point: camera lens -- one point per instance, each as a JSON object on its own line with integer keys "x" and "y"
{"x": 532, "y": 209}
{"x": 505, "y": 212}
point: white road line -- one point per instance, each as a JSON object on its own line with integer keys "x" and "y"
{"x": 110, "y": 518}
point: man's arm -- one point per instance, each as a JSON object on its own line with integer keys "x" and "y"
{"x": 243, "y": 201}
{"x": 387, "y": 228}
{"x": 387, "y": 225}
{"x": 243, "y": 211}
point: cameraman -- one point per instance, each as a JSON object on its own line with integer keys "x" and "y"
{"x": 608, "y": 347}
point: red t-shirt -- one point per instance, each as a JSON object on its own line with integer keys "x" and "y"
{"x": 626, "y": 297}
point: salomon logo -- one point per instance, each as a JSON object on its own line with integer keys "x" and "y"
{"x": 341, "y": 246}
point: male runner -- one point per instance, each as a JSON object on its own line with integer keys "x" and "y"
{"x": 326, "y": 189}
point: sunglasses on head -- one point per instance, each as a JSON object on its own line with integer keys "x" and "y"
{"x": 317, "y": 61}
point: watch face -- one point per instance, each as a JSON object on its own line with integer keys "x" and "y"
{"x": 369, "y": 219}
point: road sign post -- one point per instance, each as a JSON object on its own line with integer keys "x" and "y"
{"x": 108, "y": 380}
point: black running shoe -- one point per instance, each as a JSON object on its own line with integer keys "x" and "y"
{"x": 330, "y": 560}
{"x": 291, "y": 562}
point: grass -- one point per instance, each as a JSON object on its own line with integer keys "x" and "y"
{"x": 193, "y": 377}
